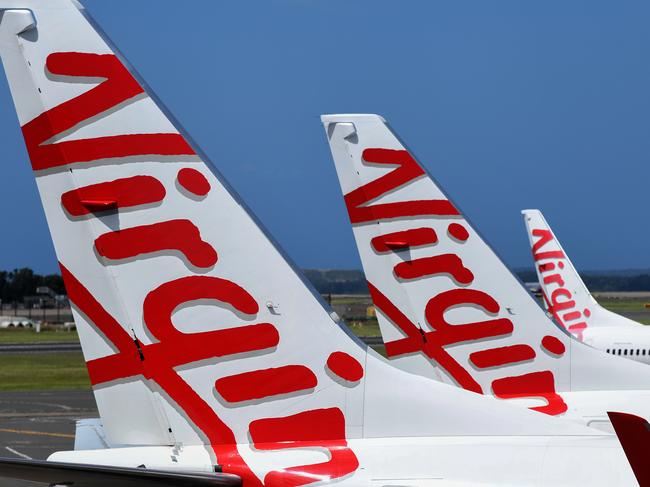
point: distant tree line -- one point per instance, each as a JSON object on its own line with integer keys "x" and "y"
{"x": 16, "y": 284}
{"x": 336, "y": 281}
{"x": 354, "y": 282}
{"x": 618, "y": 283}
{"x": 604, "y": 282}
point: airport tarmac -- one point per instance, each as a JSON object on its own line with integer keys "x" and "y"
{"x": 37, "y": 423}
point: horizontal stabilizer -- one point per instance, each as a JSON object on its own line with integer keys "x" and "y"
{"x": 634, "y": 434}
{"x": 80, "y": 475}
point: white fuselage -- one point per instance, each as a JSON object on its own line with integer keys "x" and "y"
{"x": 631, "y": 342}
{"x": 590, "y": 407}
{"x": 428, "y": 461}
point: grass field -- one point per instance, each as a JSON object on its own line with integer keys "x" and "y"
{"x": 369, "y": 328}
{"x": 349, "y": 299}
{"x": 25, "y": 335}
{"x": 625, "y": 305}
{"x": 38, "y": 371}
{"x": 632, "y": 308}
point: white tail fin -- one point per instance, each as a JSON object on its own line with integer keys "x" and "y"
{"x": 195, "y": 329}
{"x": 444, "y": 298}
{"x": 565, "y": 294}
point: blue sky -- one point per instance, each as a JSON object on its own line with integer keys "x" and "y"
{"x": 509, "y": 104}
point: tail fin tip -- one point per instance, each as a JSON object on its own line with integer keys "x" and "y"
{"x": 350, "y": 117}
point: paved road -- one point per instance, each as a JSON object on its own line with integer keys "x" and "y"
{"x": 40, "y": 347}
{"x": 75, "y": 346}
{"x": 36, "y": 424}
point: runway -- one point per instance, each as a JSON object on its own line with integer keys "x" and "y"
{"x": 40, "y": 347}
{"x": 35, "y": 424}
{"x": 76, "y": 347}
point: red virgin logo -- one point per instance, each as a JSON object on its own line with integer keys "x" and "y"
{"x": 560, "y": 300}
{"x": 433, "y": 341}
{"x": 157, "y": 362}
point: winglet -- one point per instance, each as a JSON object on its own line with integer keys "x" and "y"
{"x": 634, "y": 434}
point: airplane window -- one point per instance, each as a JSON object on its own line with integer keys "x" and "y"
{"x": 638, "y": 351}
{"x": 643, "y": 352}
{"x": 625, "y": 352}
{"x": 608, "y": 350}
{"x": 619, "y": 351}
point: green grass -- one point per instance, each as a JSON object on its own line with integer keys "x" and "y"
{"x": 380, "y": 349}
{"x": 619, "y": 305}
{"x": 369, "y": 328}
{"x": 350, "y": 300}
{"x": 38, "y": 371}
{"x": 24, "y": 335}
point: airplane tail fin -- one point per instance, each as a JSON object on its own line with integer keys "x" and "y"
{"x": 634, "y": 434}
{"x": 446, "y": 304}
{"x": 162, "y": 262}
{"x": 565, "y": 295}
{"x": 196, "y": 330}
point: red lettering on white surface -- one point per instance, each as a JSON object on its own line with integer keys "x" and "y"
{"x": 157, "y": 362}
{"x": 119, "y": 87}
{"x": 407, "y": 170}
{"x": 439, "y": 334}
{"x": 560, "y": 302}
{"x": 113, "y": 195}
